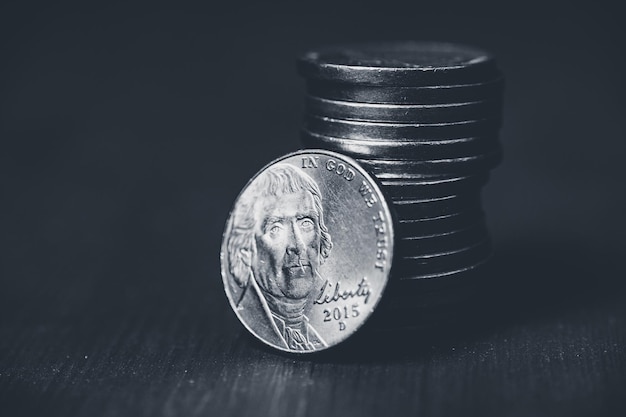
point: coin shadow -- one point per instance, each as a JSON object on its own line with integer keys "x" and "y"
{"x": 530, "y": 282}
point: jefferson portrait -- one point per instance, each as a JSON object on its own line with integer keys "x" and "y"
{"x": 277, "y": 243}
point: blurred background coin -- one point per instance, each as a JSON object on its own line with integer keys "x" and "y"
{"x": 416, "y": 150}
{"x": 409, "y": 63}
{"x": 435, "y": 94}
{"x": 408, "y": 113}
{"x": 352, "y": 129}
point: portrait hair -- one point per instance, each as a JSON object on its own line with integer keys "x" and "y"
{"x": 276, "y": 181}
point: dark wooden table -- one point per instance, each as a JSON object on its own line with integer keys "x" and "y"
{"x": 126, "y": 137}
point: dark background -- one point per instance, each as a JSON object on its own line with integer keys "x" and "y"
{"x": 128, "y": 131}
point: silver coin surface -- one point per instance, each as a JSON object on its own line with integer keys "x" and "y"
{"x": 408, "y": 63}
{"x": 436, "y": 206}
{"x": 395, "y": 169}
{"x": 307, "y": 250}
{"x": 431, "y": 263}
{"x": 403, "y": 113}
{"x": 426, "y": 226}
{"x": 352, "y": 129}
{"x": 437, "y": 94}
{"x": 399, "y": 189}
{"x": 417, "y": 150}
{"x": 452, "y": 239}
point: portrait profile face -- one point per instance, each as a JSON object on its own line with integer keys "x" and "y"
{"x": 278, "y": 234}
{"x": 279, "y": 275}
{"x": 287, "y": 242}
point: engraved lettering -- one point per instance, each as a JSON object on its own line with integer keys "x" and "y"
{"x": 332, "y": 292}
{"x": 340, "y": 169}
{"x": 340, "y": 315}
{"x": 368, "y": 195}
{"x": 381, "y": 258}
{"x": 365, "y": 189}
{"x": 309, "y": 161}
{"x": 326, "y": 314}
{"x": 381, "y": 241}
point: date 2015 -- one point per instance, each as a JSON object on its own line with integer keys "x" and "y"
{"x": 339, "y": 314}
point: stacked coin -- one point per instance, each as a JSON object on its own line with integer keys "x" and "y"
{"x": 423, "y": 118}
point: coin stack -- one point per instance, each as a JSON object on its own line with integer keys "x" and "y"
{"x": 423, "y": 118}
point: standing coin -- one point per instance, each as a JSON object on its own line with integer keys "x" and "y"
{"x": 307, "y": 251}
